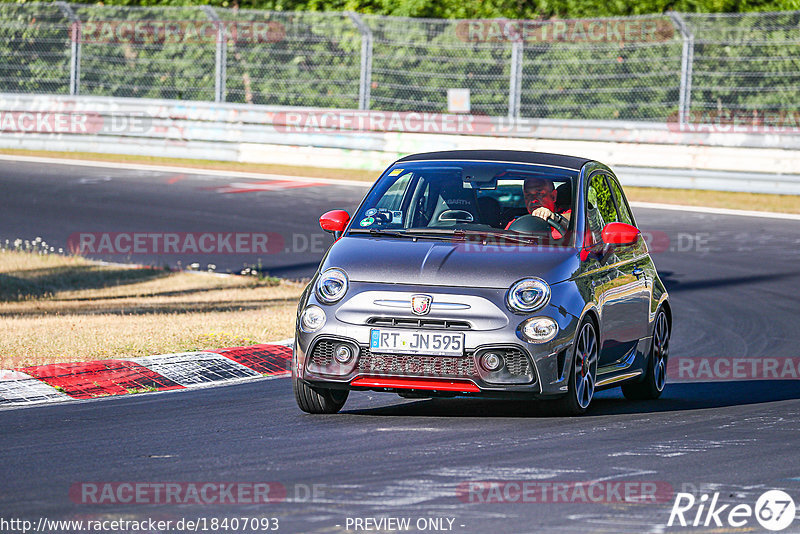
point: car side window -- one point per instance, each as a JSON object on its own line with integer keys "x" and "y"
{"x": 622, "y": 206}
{"x": 600, "y": 208}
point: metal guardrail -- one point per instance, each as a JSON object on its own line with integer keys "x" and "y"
{"x": 215, "y": 118}
{"x": 742, "y": 182}
{"x": 642, "y": 153}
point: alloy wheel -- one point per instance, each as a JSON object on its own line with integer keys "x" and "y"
{"x": 585, "y": 365}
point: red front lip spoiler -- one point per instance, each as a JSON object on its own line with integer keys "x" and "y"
{"x": 432, "y": 384}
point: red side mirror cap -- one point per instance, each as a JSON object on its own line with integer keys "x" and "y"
{"x": 618, "y": 233}
{"x": 334, "y": 221}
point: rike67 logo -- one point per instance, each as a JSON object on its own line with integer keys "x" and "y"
{"x": 774, "y": 510}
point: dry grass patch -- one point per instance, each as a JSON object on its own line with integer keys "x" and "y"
{"x": 716, "y": 199}
{"x": 64, "y": 308}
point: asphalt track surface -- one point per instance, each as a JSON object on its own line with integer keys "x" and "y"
{"x": 55, "y": 202}
{"x": 734, "y": 285}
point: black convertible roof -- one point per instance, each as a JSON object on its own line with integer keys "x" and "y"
{"x": 539, "y": 158}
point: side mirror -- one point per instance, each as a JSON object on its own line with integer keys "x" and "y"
{"x": 334, "y": 222}
{"x": 618, "y": 233}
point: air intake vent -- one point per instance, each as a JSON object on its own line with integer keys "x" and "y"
{"x": 323, "y": 352}
{"x": 413, "y": 322}
{"x": 517, "y": 363}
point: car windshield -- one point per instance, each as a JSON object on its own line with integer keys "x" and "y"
{"x": 446, "y": 198}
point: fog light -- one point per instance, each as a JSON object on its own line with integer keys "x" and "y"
{"x": 539, "y": 329}
{"x": 491, "y": 361}
{"x": 343, "y": 354}
{"x": 312, "y": 319}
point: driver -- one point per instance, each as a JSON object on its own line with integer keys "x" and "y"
{"x": 540, "y": 201}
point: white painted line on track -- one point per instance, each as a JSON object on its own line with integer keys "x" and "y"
{"x": 718, "y": 211}
{"x": 264, "y": 176}
{"x": 183, "y": 170}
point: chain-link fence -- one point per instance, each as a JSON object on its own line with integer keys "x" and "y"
{"x": 652, "y": 68}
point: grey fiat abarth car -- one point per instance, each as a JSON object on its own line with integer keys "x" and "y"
{"x": 484, "y": 273}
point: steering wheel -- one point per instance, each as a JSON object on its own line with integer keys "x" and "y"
{"x": 532, "y": 224}
{"x": 557, "y": 226}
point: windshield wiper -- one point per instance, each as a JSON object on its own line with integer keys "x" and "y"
{"x": 447, "y": 233}
{"x": 376, "y": 231}
{"x": 503, "y": 236}
{"x": 465, "y": 234}
{"x": 391, "y": 233}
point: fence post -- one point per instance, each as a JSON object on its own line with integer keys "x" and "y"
{"x": 75, "y": 52}
{"x": 515, "y": 79}
{"x": 365, "y": 79}
{"x": 221, "y": 55}
{"x": 687, "y": 63}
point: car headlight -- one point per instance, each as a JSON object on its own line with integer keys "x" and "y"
{"x": 528, "y": 295}
{"x": 331, "y": 286}
{"x": 538, "y": 329}
{"x": 312, "y": 319}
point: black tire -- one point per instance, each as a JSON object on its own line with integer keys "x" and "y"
{"x": 312, "y": 399}
{"x": 655, "y": 378}
{"x": 584, "y": 363}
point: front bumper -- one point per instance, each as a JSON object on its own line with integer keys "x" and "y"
{"x": 538, "y": 370}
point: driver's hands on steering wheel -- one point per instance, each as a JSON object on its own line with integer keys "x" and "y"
{"x": 542, "y": 213}
{"x": 557, "y": 221}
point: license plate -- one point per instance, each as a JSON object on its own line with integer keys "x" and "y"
{"x": 417, "y": 342}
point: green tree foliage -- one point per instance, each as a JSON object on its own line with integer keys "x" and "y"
{"x": 488, "y": 9}
{"x": 747, "y": 62}
{"x": 35, "y": 57}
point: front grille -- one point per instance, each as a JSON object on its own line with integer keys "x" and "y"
{"x": 406, "y": 364}
{"x": 413, "y": 322}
